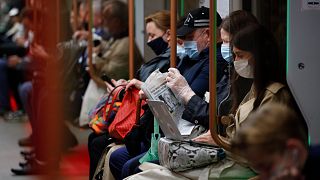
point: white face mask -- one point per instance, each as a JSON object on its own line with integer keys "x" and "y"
{"x": 243, "y": 68}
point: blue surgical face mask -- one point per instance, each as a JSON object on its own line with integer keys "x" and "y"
{"x": 181, "y": 52}
{"x": 226, "y": 52}
{"x": 191, "y": 49}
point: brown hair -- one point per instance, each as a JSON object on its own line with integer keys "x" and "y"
{"x": 237, "y": 20}
{"x": 27, "y": 13}
{"x": 119, "y": 11}
{"x": 268, "y": 129}
{"x": 161, "y": 19}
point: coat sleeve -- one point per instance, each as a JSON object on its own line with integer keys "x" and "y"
{"x": 197, "y": 111}
{"x": 200, "y": 85}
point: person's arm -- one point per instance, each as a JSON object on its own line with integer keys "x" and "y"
{"x": 197, "y": 111}
{"x": 200, "y": 84}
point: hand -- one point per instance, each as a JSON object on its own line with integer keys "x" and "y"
{"x": 13, "y": 61}
{"x": 134, "y": 82}
{"x": 115, "y": 83}
{"x": 20, "y": 41}
{"x": 205, "y": 138}
{"x": 38, "y": 52}
{"x": 142, "y": 95}
{"x": 80, "y": 35}
{"x": 179, "y": 86}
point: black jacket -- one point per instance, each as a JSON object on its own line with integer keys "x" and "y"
{"x": 161, "y": 62}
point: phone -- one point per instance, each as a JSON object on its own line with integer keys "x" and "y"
{"x": 105, "y": 78}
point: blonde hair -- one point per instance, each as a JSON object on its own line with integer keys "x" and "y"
{"x": 161, "y": 19}
{"x": 268, "y": 129}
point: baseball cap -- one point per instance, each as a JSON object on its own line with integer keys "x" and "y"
{"x": 198, "y": 18}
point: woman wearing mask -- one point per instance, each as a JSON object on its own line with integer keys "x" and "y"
{"x": 157, "y": 27}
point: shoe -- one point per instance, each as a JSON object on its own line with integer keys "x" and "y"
{"x": 27, "y": 153}
{"x": 26, "y": 142}
{"x": 31, "y": 169}
{"x": 27, "y": 163}
{"x": 29, "y": 158}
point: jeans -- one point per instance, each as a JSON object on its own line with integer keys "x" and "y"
{"x": 122, "y": 164}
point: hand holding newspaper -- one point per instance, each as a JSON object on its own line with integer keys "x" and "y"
{"x": 155, "y": 88}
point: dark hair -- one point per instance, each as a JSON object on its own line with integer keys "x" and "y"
{"x": 232, "y": 24}
{"x": 27, "y": 13}
{"x": 119, "y": 10}
{"x": 257, "y": 40}
{"x": 237, "y": 20}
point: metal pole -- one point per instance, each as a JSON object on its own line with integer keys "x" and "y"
{"x": 173, "y": 32}
{"x": 90, "y": 40}
{"x": 75, "y": 12}
{"x": 212, "y": 79}
{"x": 131, "y": 38}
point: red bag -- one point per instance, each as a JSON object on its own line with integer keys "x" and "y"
{"x": 128, "y": 114}
{"x": 102, "y": 116}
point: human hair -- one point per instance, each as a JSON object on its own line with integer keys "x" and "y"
{"x": 27, "y": 13}
{"x": 119, "y": 11}
{"x": 161, "y": 19}
{"x": 267, "y": 67}
{"x": 237, "y": 20}
{"x": 267, "y": 130}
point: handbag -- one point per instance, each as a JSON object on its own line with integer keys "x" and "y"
{"x": 128, "y": 114}
{"x": 184, "y": 155}
{"x": 105, "y": 111}
{"x": 152, "y": 153}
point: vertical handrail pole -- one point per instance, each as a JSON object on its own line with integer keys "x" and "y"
{"x": 131, "y": 38}
{"x": 173, "y": 32}
{"x": 90, "y": 40}
{"x": 212, "y": 78}
{"x": 75, "y": 12}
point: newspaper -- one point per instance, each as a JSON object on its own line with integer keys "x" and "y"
{"x": 155, "y": 88}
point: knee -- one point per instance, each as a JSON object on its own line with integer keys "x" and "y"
{"x": 113, "y": 159}
{"x": 3, "y": 64}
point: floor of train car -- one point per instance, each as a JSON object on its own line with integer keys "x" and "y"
{"x": 75, "y": 163}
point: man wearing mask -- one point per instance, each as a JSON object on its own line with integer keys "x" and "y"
{"x": 196, "y": 39}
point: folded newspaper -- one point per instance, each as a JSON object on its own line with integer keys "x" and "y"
{"x": 155, "y": 88}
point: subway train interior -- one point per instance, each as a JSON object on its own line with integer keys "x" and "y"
{"x": 159, "y": 89}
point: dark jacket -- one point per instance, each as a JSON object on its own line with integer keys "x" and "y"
{"x": 161, "y": 62}
{"x": 196, "y": 72}
{"x": 197, "y": 110}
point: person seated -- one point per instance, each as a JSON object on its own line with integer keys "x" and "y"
{"x": 275, "y": 143}
{"x": 157, "y": 27}
{"x": 110, "y": 57}
{"x": 194, "y": 67}
{"x": 256, "y": 57}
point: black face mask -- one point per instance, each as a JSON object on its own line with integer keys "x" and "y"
{"x": 158, "y": 45}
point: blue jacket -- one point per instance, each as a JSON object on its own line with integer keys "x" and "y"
{"x": 196, "y": 72}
